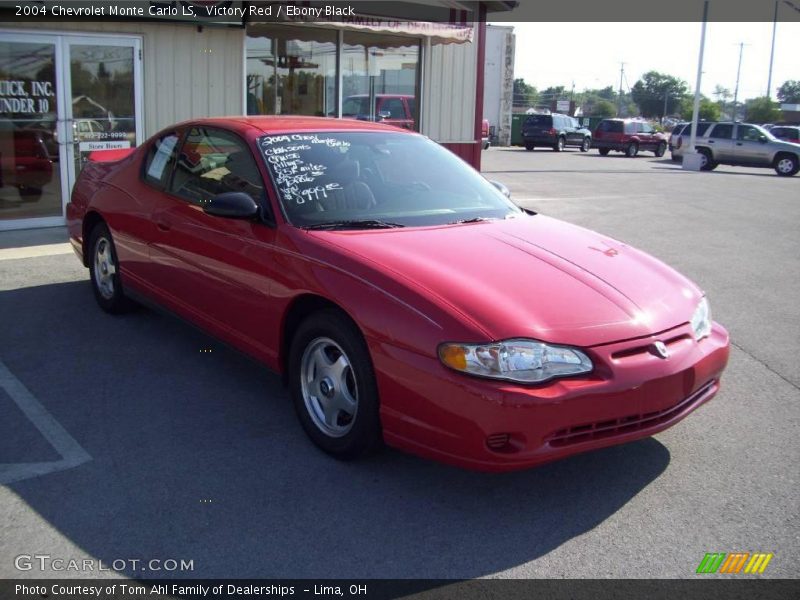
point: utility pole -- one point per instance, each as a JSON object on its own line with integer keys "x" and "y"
{"x": 772, "y": 52}
{"x": 736, "y": 89}
{"x": 619, "y": 99}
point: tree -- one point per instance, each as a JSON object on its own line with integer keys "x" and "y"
{"x": 603, "y": 108}
{"x": 789, "y": 92}
{"x": 658, "y": 94}
{"x": 524, "y": 95}
{"x": 761, "y": 110}
{"x": 709, "y": 111}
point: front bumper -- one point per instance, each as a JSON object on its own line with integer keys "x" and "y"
{"x": 486, "y": 425}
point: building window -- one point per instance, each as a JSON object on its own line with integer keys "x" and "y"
{"x": 293, "y": 71}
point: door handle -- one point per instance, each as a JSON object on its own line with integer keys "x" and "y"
{"x": 162, "y": 226}
{"x": 739, "y": 143}
{"x": 710, "y": 141}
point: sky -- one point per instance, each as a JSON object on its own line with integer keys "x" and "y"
{"x": 553, "y": 54}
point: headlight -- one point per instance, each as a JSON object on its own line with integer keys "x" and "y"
{"x": 701, "y": 320}
{"x": 525, "y": 361}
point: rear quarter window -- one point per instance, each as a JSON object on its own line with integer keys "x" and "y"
{"x": 540, "y": 120}
{"x": 610, "y": 126}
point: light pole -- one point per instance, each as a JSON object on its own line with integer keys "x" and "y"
{"x": 772, "y": 52}
{"x": 736, "y": 89}
{"x": 692, "y": 161}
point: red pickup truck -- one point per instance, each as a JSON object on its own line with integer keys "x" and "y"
{"x": 392, "y": 109}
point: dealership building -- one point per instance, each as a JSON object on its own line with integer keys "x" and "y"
{"x": 71, "y": 86}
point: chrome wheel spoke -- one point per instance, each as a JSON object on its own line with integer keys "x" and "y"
{"x": 328, "y": 387}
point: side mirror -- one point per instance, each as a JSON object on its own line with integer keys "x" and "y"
{"x": 501, "y": 188}
{"x": 232, "y": 205}
{"x": 385, "y": 114}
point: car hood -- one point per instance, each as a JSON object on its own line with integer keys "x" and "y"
{"x": 530, "y": 276}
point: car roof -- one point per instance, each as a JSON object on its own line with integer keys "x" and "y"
{"x": 272, "y": 125}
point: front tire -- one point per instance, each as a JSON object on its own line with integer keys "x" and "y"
{"x": 786, "y": 165}
{"x": 529, "y": 147}
{"x": 661, "y": 149}
{"x": 586, "y": 145}
{"x": 333, "y": 386}
{"x": 104, "y": 272}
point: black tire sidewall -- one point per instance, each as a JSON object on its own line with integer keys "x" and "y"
{"x": 365, "y": 435}
{"x": 118, "y": 303}
{"x": 794, "y": 170}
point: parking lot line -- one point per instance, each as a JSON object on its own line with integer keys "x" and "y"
{"x": 72, "y": 454}
{"x": 34, "y": 251}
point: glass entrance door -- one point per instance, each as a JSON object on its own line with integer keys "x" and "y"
{"x": 61, "y": 97}
{"x": 103, "y": 109}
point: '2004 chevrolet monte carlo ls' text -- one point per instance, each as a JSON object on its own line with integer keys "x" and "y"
{"x": 403, "y": 297}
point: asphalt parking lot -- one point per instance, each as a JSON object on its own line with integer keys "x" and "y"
{"x": 139, "y": 437}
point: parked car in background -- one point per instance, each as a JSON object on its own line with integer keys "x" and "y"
{"x": 555, "y": 131}
{"x": 27, "y": 158}
{"x": 629, "y": 136}
{"x": 786, "y": 133}
{"x": 746, "y": 145}
{"x": 392, "y": 109}
{"x": 403, "y": 297}
{"x": 679, "y": 142}
{"x": 485, "y": 134}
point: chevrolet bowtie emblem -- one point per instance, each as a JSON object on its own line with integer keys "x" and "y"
{"x": 660, "y": 349}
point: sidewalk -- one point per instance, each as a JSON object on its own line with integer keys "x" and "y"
{"x": 28, "y": 243}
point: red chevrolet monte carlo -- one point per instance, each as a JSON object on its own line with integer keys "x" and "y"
{"x": 404, "y": 298}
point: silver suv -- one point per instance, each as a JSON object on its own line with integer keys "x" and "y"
{"x": 745, "y": 145}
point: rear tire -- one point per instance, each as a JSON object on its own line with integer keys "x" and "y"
{"x": 603, "y": 151}
{"x": 661, "y": 149}
{"x": 29, "y": 194}
{"x": 104, "y": 272}
{"x": 559, "y": 145}
{"x": 707, "y": 163}
{"x": 529, "y": 147}
{"x": 786, "y": 165}
{"x": 632, "y": 150}
{"x": 333, "y": 387}
{"x": 586, "y": 145}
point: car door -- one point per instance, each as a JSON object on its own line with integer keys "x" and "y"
{"x": 570, "y": 131}
{"x": 751, "y": 147}
{"x": 647, "y": 136}
{"x": 720, "y": 140}
{"x": 216, "y": 271}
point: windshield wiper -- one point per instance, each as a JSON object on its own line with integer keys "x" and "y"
{"x": 354, "y": 224}
{"x": 473, "y": 220}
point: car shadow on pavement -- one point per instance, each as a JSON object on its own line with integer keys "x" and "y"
{"x": 197, "y": 456}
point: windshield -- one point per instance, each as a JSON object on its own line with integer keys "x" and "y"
{"x": 394, "y": 179}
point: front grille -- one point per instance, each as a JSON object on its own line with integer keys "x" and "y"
{"x": 605, "y": 429}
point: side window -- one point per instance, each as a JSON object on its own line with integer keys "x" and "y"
{"x": 645, "y": 128}
{"x": 160, "y": 160}
{"x": 746, "y": 133}
{"x": 631, "y": 128}
{"x": 723, "y": 131}
{"x": 211, "y": 162}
